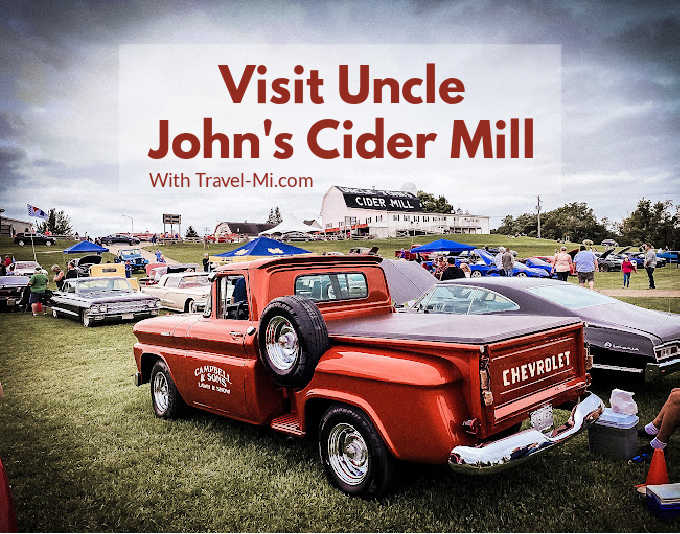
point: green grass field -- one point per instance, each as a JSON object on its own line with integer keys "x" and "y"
{"x": 84, "y": 452}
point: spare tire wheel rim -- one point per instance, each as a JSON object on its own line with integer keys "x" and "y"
{"x": 283, "y": 345}
{"x": 160, "y": 392}
{"x": 348, "y": 454}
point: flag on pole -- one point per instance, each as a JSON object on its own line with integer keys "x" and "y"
{"x": 33, "y": 211}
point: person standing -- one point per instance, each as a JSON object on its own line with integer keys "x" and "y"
{"x": 71, "y": 271}
{"x": 650, "y": 264}
{"x": 499, "y": 260}
{"x": 586, "y": 265}
{"x": 508, "y": 262}
{"x": 452, "y": 272}
{"x": 58, "y": 276}
{"x": 38, "y": 285}
{"x": 627, "y": 267}
{"x": 440, "y": 267}
{"x": 562, "y": 264}
{"x": 466, "y": 269}
{"x": 206, "y": 262}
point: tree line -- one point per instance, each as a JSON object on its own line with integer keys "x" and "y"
{"x": 657, "y": 223}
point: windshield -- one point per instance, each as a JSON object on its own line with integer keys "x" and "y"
{"x": 539, "y": 262}
{"x": 25, "y": 265}
{"x": 194, "y": 281}
{"x": 131, "y": 252}
{"x": 570, "y": 295}
{"x": 463, "y": 300}
{"x": 103, "y": 284}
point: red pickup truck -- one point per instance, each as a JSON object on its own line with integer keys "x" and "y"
{"x": 311, "y": 345}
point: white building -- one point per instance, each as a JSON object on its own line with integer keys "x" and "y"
{"x": 382, "y": 213}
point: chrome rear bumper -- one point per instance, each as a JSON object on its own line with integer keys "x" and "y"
{"x": 510, "y": 451}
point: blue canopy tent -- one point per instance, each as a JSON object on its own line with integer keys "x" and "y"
{"x": 85, "y": 247}
{"x": 442, "y": 245}
{"x": 260, "y": 247}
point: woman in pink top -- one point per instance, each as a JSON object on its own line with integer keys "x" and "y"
{"x": 561, "y": 264}
{"x": 627, "y": 267}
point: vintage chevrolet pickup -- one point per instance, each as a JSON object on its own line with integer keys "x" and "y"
{"x": 310, "y": 345}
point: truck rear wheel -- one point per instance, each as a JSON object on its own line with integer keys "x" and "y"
{"x": 292, "y": 337}
{"x": 165, "y": 398}
{"x": 354, "y": 456}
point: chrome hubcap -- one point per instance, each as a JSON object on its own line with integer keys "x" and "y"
{"x": 348, "y": 454}
{"x": 283, "y": 346}
{"x": 160, "y": 392}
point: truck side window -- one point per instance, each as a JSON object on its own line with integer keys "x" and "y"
{"x": 335, "y": 286}
{"x": 233, "y": 297}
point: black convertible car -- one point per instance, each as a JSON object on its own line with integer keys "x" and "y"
{"x": 112, "y": 239}
{"x": 84, "y": 263}
{"x": 623, "y": 338}
{"x": 98, "y": 299}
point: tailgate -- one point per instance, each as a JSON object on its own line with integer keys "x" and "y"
{"x": 529, "y": 372}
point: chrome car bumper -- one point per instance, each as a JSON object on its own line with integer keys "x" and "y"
{"x": 510, "y": 451}
{"x": 654, "y": 371}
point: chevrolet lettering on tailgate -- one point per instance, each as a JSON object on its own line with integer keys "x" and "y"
{"x": 529, "y": 370}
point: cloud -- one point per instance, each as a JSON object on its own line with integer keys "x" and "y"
{"x": 58, "y": 93}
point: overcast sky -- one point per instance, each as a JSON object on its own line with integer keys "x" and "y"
{"x": 59, "y": 91}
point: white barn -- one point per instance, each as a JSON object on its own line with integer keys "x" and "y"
{"x": 382, "y": 213}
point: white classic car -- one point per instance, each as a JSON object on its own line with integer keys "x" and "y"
{"x": 185, "y": 292}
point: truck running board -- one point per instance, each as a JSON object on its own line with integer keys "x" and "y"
{"x": 288, "y": 424}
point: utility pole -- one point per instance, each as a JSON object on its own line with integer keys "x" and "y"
{"x": 538, "y": 214}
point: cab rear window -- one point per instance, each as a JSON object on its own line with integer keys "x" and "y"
{"x": 332, "y": 286}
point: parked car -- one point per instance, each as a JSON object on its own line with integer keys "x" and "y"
{"x": 14, "y": 292}
{"x": 274, "y": 348}
{"x": 112, "y": 239}
{"x": 670, "y": 256}
{"x": 480, "y": 261}
{"x": 25, "y": 267}
{"x": 608, "y": 261}
{"x": 522, "y": 270}
{"x": 134, "y": 256}
{"x": 95, "y": 300}
{"x": 538, "y": 263}
{"x": 155, "y": 271}
{"x": 24, "y": 239}
{"x": 112, "y": 269}
{"x": 84, "y": 263}
{"x": 623, "y": 338}
{"x": 185, "y": 292}
{"x": 609, "y": 243}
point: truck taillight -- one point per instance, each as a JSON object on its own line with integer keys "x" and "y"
{"x": 589, "y": 359}
{"x": 589, "y": 380}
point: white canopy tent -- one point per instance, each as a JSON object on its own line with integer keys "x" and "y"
{"x": 290, "y": 225}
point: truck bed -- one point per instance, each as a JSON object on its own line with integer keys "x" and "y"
{"x": 464, "y": 329}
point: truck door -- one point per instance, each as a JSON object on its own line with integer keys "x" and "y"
{"x": 219, "y": 362}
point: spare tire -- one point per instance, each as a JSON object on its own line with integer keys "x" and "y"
{"x": 292, "y": 337}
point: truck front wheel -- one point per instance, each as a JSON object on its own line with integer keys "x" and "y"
{"x": 354, "y": 456}
{"x": 165, "y": 398}
{"x": 292, "y": 336}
